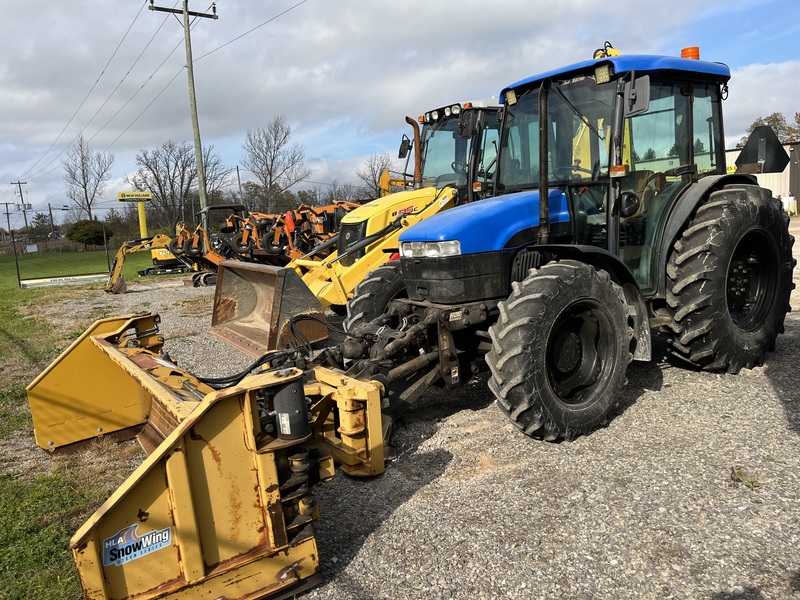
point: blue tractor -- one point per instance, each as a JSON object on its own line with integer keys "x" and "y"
{"x": 645, "y": 228}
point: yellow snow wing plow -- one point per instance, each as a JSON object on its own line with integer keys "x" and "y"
{"x": 223, "y": 505}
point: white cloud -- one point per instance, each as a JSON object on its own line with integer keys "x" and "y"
{"x": 345, "y": 73}
{"x": 759, "y": 90}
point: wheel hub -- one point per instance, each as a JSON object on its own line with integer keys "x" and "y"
{"x": 574, "y": 353}
{"x": 567, "y": 352}
{"x": 738, "y": 285}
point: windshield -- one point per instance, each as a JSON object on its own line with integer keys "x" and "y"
{"x": 578, "y": 126}
{"x": 444, "y": 154}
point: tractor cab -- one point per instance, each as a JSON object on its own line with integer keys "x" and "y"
{"x": 448, "y": 137}
{"x": 623, "y": 138}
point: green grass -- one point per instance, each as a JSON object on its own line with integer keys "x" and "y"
{"x": 40, "y": 505}
{"x": 12, "y": 418}
{"x": 54, "y": 264}
{"x": 38, "y": 516}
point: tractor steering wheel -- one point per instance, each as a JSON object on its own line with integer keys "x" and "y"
{"x": 569, "y": 171}
{"x": 459, "y": 167}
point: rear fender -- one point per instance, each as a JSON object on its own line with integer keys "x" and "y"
{"x": 681, "y": 212}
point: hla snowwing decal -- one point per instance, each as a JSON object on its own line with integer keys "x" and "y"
{"x": 127, "y": 545}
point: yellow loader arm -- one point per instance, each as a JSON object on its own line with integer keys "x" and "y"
{"x": 222, "y": 507}
{"x": 254, "y": 304}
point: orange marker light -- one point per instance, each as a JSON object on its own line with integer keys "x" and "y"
{"x": 691, "y": 52}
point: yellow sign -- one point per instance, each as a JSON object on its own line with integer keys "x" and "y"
{"x": 134, "y": 196}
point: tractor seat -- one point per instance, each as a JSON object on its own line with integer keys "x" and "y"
{"x": 645, "y": 184}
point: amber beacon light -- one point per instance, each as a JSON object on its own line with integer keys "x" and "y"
{"x": 691, "y": 52}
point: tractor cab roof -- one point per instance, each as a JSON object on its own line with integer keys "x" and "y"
{"x": 642, "y": 64}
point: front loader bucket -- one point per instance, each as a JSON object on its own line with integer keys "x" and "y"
{"x": 223, "y": 506}
{"x": 254, "y": 306}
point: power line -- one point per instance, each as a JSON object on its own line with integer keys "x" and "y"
{"x": 42, "y": 172}
{"x": 250, "y": 31}
{"x": 86, "y": 97}
{"x": 124, "y": 131}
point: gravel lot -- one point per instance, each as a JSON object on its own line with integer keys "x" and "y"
{"x": 647, "y": 507}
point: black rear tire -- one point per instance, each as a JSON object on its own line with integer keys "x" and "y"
{"x": 268, "y": 243}
{"x": 729, "y": 279}
{"x": 372, "y": 296}
{"x": 240, "y": 246}
{"x": 560, "y": 350}
{"x": 175, "y": 247}
{"x": 192, "y": 251}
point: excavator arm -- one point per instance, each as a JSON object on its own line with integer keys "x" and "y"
{"x": 116, "y": 282}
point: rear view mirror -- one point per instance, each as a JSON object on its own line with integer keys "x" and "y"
{"x": 637, "y": 95}
{"x": 466, "y": 124}
{"x": 405, "y": 147}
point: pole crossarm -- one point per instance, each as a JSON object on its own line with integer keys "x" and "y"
{"x": 178, "y": 11}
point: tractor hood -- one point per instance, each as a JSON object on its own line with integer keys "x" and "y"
{"x": 488, "y": 225}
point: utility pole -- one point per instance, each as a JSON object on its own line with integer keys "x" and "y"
{"x": 19, "y": 184}
{"x": 198, "y": 147}
{"x": 8, "y": 217}
{"x": 13, "y": 243}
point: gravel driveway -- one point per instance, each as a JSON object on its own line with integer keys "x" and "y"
{"x": 691, "y": 491}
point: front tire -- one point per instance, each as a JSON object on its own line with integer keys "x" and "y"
{"x": 729, "y": 279}
{"x": 560, "y": 350}
{"x": 372, "y": 296}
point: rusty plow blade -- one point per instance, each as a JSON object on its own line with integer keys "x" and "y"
{"x": 223, "y": 505}
{"x": 254, "y": 306}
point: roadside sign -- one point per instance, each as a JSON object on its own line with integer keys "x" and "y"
{"x": 134, "y": 196}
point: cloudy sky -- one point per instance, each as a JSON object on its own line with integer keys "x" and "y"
{"x": 344, "y": 73}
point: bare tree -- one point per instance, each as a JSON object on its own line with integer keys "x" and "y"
{"x": 371, "y": 172}
{"x": 217, "y": 176}
{"x": 341, "y": 191}
{"x": 276, "y": 163}
{"x": 170, "y": 174}
{"x": 86, "y": 173}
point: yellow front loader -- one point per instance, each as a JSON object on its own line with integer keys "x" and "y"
{"x": 255, "y": 305}
{"x": 223, "y": 505}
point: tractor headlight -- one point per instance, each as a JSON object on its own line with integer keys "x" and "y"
{"x": 430, "y": 249}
